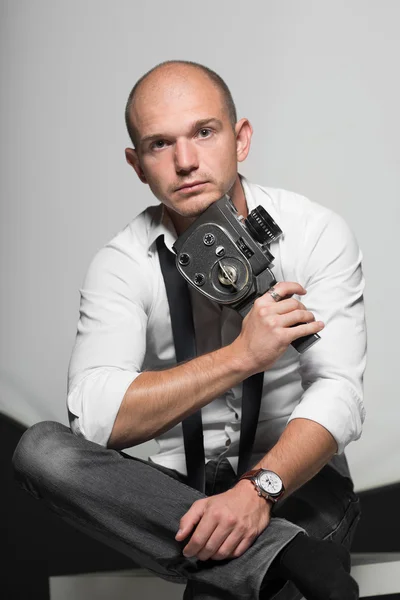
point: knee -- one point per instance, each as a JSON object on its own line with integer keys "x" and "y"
{"x": 40, "y": 455}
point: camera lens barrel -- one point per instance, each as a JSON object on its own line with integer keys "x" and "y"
{"x": 262, "y": 226}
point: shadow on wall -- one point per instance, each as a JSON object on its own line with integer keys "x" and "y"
{"x": 13, "y": 401}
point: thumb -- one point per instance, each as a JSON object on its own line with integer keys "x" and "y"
{"x": 191, "y": 519}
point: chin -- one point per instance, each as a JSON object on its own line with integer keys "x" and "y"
{"x": 193, "y": 207}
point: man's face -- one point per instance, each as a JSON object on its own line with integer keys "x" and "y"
{"x": 186, "y": 146}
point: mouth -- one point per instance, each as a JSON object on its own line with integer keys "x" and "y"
{"x": 192, "y": 187}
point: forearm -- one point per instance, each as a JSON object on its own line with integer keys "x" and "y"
{"x": 158, "y": 400}
{"x": 300, "y": 453}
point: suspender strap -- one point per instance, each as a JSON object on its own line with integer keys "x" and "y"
{"x": 251, "y": 400}
{"x": 180, "y": 308}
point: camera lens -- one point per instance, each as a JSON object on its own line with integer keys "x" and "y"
{"x": 262, "y": 226}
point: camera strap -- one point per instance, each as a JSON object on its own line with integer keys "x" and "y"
{"x": 180, "y": 307}
{"x": 251, "y": 402}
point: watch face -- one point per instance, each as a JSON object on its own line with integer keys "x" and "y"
{"x": 270, "y": 482}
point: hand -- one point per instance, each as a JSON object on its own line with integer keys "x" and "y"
{"x": 227, "y": 524}
{"x": 271, "y": 326}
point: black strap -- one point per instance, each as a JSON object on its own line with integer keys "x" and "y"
{"x": 251, "y": 401}
{"x": 180, "y": 307}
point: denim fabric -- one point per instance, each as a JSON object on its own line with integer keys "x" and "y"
{"x": 135, "y": 506}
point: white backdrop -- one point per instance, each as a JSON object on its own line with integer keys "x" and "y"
{"x": 317, "y": 79}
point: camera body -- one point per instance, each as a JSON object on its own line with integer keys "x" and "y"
{"x": 227, "y": 257}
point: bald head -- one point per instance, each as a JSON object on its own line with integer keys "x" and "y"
{"x": 171, "y": 79}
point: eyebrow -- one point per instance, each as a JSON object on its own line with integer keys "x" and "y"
{"x": 197, "y": 125}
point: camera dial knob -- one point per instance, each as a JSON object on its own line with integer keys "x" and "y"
{"x": 184, "y": 259}
{"x": 227, "y": 274}
{"x": 209, "y": 239}
{"x": 199, "y": 279}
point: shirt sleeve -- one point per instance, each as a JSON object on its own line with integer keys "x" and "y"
{"x": 332, "y": 369}
{"x": 110, "y": 343}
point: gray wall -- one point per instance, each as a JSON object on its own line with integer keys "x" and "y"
{"x": 317, "y": 79}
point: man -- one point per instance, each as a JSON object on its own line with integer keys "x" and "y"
{"x": 125, "y": 387}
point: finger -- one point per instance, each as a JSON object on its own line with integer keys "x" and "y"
{"x": 296, "y": 317}
{"x": 200, "y": 537}
{"x": 227, "y": 548}
{"x": 298, "y": 331}
{"x": 190, "y": 519}
{"x": 286, "y": 289}
{"x": 215, "y": 541}
{"x": 242, "y": 547}
{"x": 285, "y": 306}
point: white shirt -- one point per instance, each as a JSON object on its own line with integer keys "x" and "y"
{"x": 124, "y": 329}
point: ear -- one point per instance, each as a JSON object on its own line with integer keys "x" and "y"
{"x": 244, "y": 131}
{"x": 133, "y": 160}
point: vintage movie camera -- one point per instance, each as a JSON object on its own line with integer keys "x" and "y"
{"x": 227, "y": 257}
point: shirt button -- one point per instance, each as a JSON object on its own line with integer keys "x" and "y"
{"x": 228, "y": 443}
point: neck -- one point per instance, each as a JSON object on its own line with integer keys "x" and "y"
{"x": 238, "y": 198}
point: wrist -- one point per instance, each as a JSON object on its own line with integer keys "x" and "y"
{"x": 245, "y": 486}
{"x": 240, "y": 360}
{"x": 267, "y": 483}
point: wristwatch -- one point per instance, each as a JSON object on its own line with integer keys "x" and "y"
{"x": 267, "y": 483}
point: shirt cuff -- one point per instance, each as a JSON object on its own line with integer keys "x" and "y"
{"x": 336, "y": 406}
{"x": 95, "y": 401}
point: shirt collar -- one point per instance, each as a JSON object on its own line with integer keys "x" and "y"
{"x": 162, "y": 224}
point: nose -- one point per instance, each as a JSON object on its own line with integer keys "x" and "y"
{"x": 186, "y": 158}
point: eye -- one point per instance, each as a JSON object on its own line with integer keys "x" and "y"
{"x": 204, "y": 132}
{"x": 158, "y": 145}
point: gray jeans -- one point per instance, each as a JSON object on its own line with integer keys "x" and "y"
{"x": 135, "y": 507}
